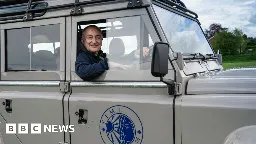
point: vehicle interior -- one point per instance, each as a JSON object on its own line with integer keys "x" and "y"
{"x": 116, "y": 37}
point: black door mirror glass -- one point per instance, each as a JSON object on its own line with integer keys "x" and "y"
{"x": 159, "y": 64}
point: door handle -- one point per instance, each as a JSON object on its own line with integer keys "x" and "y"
{"x": 8, "y": 105}
{"x": 81, "y": 119}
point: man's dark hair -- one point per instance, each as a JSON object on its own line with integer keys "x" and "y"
{"x": 90, "y": 26}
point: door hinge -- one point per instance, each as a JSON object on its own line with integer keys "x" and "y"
{"x": 134, "y": 3}
{"x": 178, "y": 89}
{"x": 64, "y": 86}
{"x": 76, "y": 10}
{"x": 175, "y": 89}
{"x": 28, "y": 16}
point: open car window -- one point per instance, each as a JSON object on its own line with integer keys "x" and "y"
{"x": 128, "y": 42}
{"x": 123, "y": 39}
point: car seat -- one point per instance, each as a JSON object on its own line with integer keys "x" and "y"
{"x": 116, "y": 50}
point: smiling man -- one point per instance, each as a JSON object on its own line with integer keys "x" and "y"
{"x": 91, "y": 62}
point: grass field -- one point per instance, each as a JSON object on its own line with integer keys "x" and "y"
{"x": 239, "y": 64}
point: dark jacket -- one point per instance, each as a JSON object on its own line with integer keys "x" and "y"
{"x": 89, "y": 66}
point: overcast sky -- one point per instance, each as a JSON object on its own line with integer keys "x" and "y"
{"x": 229, "y": 13}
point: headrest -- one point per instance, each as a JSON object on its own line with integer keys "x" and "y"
{"x": 116, "y": 47}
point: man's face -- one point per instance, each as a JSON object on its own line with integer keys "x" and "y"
{"x": 92, "y": 40}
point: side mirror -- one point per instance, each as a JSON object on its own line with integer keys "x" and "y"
{"x": 159, "y": 63}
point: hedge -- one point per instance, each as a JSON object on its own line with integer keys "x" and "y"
{"x": 237, "y": 58}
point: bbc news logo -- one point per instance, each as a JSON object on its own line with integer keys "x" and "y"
{"x": 36, "y": 128}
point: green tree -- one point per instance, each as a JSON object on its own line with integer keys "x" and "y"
{"x": 226, "y": 42}
{"x": 241, "y": 43}
{"x": 213, "y": 29}
{"x": 251, "y": 44}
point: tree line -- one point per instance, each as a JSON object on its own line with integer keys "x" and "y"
{"x": 230, "y": 42}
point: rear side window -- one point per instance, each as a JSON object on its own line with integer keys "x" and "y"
{"x": 33, "y": 48}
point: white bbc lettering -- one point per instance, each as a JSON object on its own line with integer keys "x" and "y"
{"x": 23, "y": 128}
{"x": 35, "y": 128}
{"x": 10, "y": 128}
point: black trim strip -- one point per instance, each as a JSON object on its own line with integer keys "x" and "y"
{"x": 168, "y": 7}
{"x": 172, "y": 4}
{"x": 173, "y": 110}
{"x": 151, "y": 18}
{"x": 6, "y": 51}
{"x": 65, "y": 44}
{"x": 63, "y": 100}
{"x": 69, "y": 114}
{"x": 174, "y": 123}
{"x": 63, "y": 112}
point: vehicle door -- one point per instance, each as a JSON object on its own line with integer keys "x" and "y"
{"x": 125, "y": 104}
{"x": 32, "y": 72}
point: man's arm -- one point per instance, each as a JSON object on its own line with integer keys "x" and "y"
{"x": 85, "y": 70}
{"x": 135, "y": 54}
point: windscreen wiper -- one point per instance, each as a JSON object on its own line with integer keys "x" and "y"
{"x": 198, "y": 55}
{"x": 187, "y": 56}
{"x": 211, "y": 56}
{"x": 205, "y": 57}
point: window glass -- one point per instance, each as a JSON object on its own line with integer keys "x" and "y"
{"x": 124, "y": 41}
{"x": 18, "y": 56}
{"x": 46, "y": 45}
{"x": 183, "y": 34}
{"x": 35, "y": 48}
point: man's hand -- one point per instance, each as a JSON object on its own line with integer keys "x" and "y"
{"x": 145, "y": 52}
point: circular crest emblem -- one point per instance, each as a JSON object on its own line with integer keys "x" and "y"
{"x": 120, "y": 125}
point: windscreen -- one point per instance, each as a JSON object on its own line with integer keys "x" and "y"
{"x": 183, "y": 34}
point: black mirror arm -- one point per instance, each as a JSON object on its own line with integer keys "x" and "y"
{"x": 170, "y": 84}
{"x": 167, "y": 81}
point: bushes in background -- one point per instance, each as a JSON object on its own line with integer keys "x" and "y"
{"x": 239, "y": 58}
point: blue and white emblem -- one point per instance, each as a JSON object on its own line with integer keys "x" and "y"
{"x": 121, "y": 125}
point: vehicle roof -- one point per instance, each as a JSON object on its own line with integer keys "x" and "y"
{"x": 8, "y": 8}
